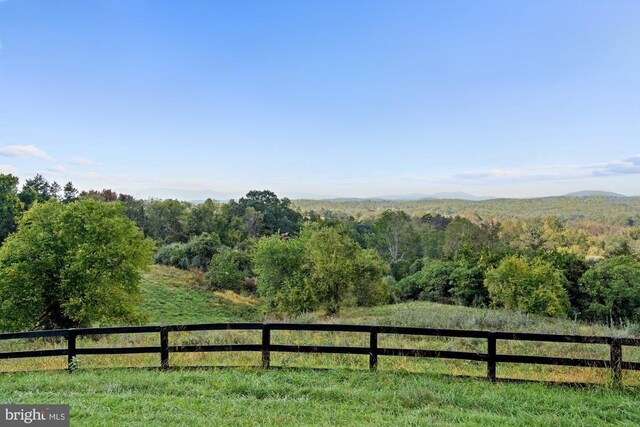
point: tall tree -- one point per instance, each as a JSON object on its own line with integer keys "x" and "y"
{"x": 41, "y": 188}
{"x": 277, "y": 214}
{"x": 72, "y": 265}
{"x": 395, "y": 239}
{"x": 70, "y": 193}
{"x": 10, "y": 205}
{"x": 166, "y": 220}
{"x": 613, "y": 286}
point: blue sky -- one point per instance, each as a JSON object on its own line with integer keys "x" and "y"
{"x": 194, "y": 98}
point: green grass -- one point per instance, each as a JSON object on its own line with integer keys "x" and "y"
{"x": 172, "y": 296}
{"x": 404, "y": 391}
{"x": 175, "y": 296}
{"x": 238, "y": 397}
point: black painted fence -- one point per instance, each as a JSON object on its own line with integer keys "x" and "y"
{"x": 615, "y": 362}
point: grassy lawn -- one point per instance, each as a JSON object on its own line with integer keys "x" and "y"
{"x": 176, "y": 296}
{"x": 311, "y": 397}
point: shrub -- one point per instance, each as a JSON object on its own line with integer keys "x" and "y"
{"x": 196, "y": 253}
{"x": 230, "y": 269}
{"x": 173, "y": 255}
{"x": 533, "y": 286}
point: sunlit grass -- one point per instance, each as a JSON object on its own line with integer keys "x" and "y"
{"x": 247, "y": 397}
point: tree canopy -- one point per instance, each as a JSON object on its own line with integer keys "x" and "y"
{"x": 72, "y": 265}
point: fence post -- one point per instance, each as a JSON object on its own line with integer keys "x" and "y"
{"x": 164, "y": 348}
{"x": 373, "y": 348}
{"x": 491, "y": 356}
{"x": 616, "y": 361}
{"x": 266, "y": 346}
{"x": 71, "y": 350}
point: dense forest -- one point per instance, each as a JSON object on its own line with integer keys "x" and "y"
{"x": 622, "y": 211}
{"x": 559, "y": 257}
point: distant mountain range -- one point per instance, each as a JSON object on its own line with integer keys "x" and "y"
{"x": 453, "y": 195}
{"x": 415, "y": 196}
{"x": 591, "y": 193}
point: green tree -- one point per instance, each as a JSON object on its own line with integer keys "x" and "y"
{"x": 533, "y": 286}
{"x": 72, "y": 265}
{"x": 10, "y": 205}
{"x": 70, "y": 193}
{"x": 204, "y": 218}
{"x": 613, "y": 287}
{"x": 41, "y": 188}
{"x": 369, "y": 287}
{"x": 280, "y": 268}
{"x": 229, "y": 269}
{"x": 464, "y": 240}
{"x": 277, "y": 215}
{"x": 166, "y": 220}
{"x": 396, "y": 241}
{"x": 331, "y": 265}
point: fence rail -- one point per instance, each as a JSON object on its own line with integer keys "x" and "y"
{"x": 615, "y": 362}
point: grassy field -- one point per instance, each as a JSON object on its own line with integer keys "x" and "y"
{"x": 238, "y": 397}
{"x": 404, "y": 391}
{"x": 177, "y": 296}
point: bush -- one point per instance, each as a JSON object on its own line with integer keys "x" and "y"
{"x": 196, "y": 253}
{"x": 173, "y": 255}
{"x": 200, "y": 249}
{"x": 468, "y": 286}
{"x": 323, "y": 268}
{"x": 230, "y": 269}
{"x": 370, "y": 288}
{"x": 533, "y": 286}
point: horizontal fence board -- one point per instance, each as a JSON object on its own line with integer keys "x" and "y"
{"x": 33, "y": 353}
{"x": 630, "y": 341}
{"x": 545, "y": 360}
{"x": 117, "y": 350}
{"x": 318, "y": 349}
{"x": 440, "y": 354}
{"x": 632, "y": 366}
{"x": 214, "y": 348}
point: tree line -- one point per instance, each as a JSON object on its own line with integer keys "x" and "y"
{"x": 301, "y": 261}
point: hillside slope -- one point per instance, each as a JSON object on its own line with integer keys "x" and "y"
{"x": 173, "y": 296}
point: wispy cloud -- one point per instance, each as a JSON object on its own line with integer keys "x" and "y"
{"x": 82, "y": 161}
{"x": 57, "y": 169}
{"x": 629, "y": 166}
{"x": 24, "y": 151}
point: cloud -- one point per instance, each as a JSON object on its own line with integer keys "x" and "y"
{"x": 8, "y": 169}
{"x": 629, "y": 166}
{"x": 82, "y": 161}
{"x": 57, "y": 169}
{"x": 24, "y": 151}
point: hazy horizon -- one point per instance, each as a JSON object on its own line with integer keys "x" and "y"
{"x": 323, "y": 99}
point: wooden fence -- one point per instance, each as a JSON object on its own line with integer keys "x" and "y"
{"x": 615, "y": 362}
